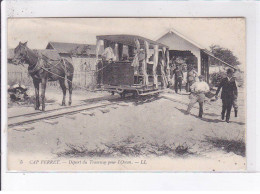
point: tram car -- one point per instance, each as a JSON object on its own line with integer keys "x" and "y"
{"x": 132, "y": 64}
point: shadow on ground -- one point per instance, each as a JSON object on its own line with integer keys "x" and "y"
{"x": 203, "y": 119}
{"x": 140, "y": 100}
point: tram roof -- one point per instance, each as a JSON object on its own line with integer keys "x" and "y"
{"x": 129, "y": 40}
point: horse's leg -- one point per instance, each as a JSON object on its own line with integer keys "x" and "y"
{"x": 44, "y": 83}
{"x": 70, "y": 88}
{"x": 36, "y": 84}
{"x": 63, "y": 87}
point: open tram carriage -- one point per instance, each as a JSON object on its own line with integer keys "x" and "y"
{"x": 132, "y": 64}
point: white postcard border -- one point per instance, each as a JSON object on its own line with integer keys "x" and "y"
{"x": 119, "y": 180}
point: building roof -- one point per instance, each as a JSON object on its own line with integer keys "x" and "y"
{"x": 50, "y": 54}
{"x": 92, "y": 50}
{"x": 173, "y": 32}
{"x": 129, "y": 40}
{"x": 212, "y": 55}
{"x": 73, "y": 48}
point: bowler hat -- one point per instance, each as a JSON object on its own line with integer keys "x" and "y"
{"x": 229, "y": 71}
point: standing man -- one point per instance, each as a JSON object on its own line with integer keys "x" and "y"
{"x": 191, "y": 78}
{"x": 228, "y": 95}
{"x": 198, "y": 90}
{"x": 161, "y": 71}
{"x": 235, "y": 105}
{"x": 108, "y": 54}
{"x": 178, "y": 78}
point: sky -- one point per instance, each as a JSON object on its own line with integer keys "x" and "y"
{"x": 225, "y": 32}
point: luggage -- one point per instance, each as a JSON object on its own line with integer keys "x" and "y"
{"x": 209, "y": 95}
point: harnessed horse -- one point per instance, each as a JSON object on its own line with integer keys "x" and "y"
{"x": 42, "y": 70}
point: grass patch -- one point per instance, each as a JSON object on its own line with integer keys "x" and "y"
{"x": 236, "y": 146}
{"x": 127, "y": 147}
{"x": 82, "y": 151}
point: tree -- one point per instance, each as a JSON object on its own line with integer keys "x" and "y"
{"x": 225, "y": 55}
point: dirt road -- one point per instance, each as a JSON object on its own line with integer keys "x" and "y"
{"x": 151, "y": 127}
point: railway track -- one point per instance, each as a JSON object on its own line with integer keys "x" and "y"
{"x": 55, "y": 113}
{"x": 89, "y": 101}
{"x": 50, "y": 114}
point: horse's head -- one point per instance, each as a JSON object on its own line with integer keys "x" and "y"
{"x": 20, "y": 53}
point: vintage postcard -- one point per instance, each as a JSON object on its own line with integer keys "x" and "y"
{"x": 126, "y": 94}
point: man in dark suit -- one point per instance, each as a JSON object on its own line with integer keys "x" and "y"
{"x": 228, "y": 94}
{"x": 178, "y": 75}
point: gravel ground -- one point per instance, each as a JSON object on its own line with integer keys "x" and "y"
{"x": 151, "y": 127}
{"x": 54, "y": 99}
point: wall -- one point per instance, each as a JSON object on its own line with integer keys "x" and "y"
{"x": 84, "y": 64}
{"x": 84, "y": 73}
{"x": 18, "y": 74}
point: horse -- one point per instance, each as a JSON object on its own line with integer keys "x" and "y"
{"x": 42, "y": 69}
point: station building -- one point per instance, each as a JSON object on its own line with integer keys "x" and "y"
{"x": 203, "y": 60}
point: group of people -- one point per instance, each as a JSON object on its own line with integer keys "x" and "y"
{"x": 192, "y": 76}
{"x": 199, "y": 89}
{"x": 229, "y": 95}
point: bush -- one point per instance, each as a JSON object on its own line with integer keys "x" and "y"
{"x": 215, "y": 78}
{"x": 239, "y": 78}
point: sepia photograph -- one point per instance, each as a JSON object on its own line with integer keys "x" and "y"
{"x": 126, "y": 94}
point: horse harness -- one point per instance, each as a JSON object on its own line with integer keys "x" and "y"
{"x": 43, "y": 64}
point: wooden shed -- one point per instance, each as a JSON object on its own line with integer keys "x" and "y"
{"x": 82, "y": 56}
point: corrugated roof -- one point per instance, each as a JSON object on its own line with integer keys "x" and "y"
{"x": 73, "y": 48}
{"x": 50, "y": 54}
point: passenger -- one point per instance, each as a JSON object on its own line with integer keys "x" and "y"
{"x": 228, "y": 95}
{"x": 141, "y": 55}
{"x": 161, "y": 71}
{"x": 191, "y": 78}
{"x": 138, "y": 60}
{"x": 178, "y": 78}
{"x": 198, "y": 90}
{"x": 108, "y": 54}
{"x": 235, "y": 105}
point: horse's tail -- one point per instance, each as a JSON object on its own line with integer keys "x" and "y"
{"x": 68, "y": 72}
